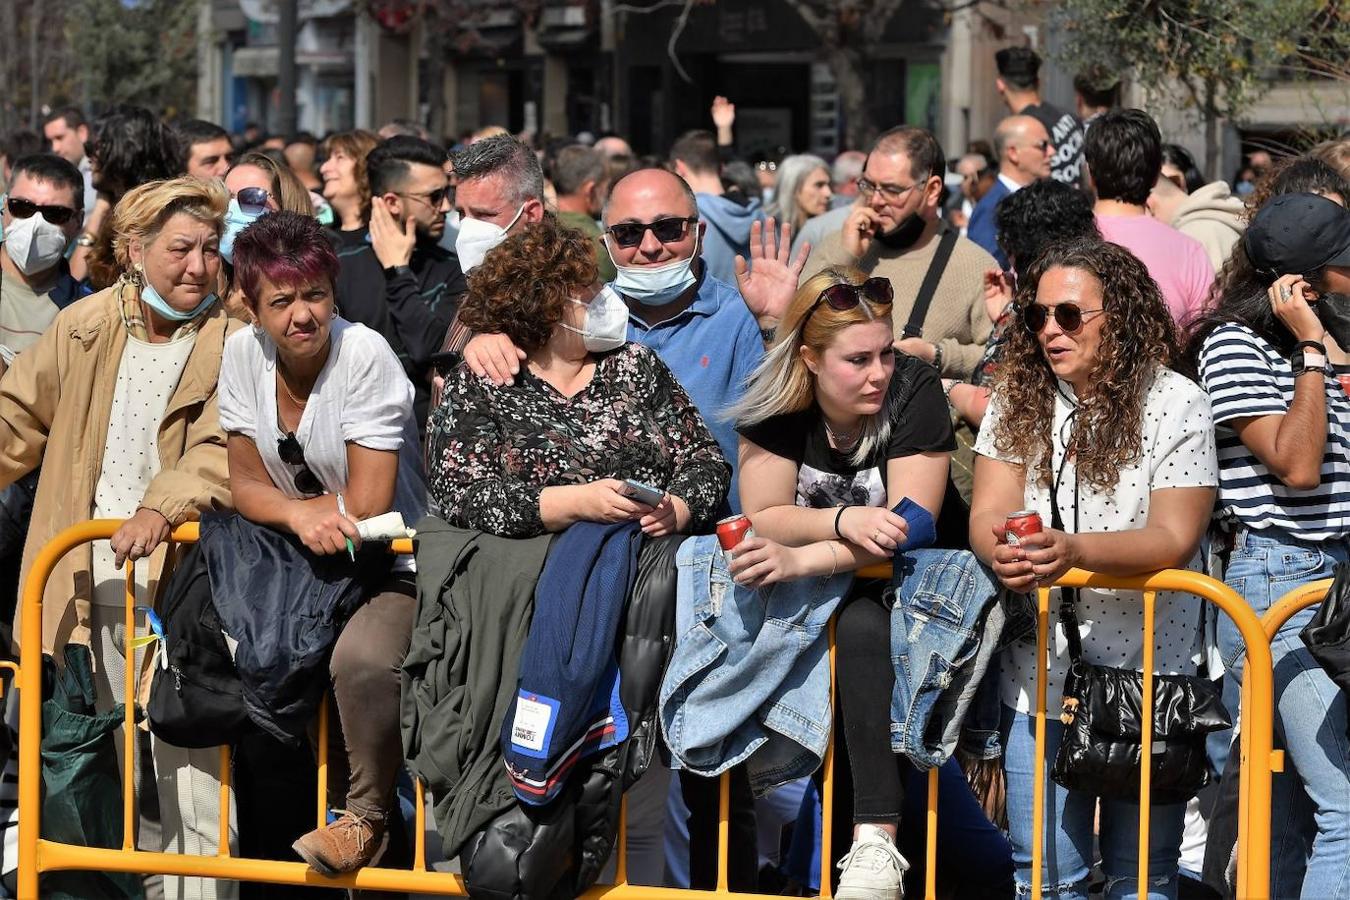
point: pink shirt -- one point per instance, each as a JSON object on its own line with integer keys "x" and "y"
{"x": 1177, "y": 263}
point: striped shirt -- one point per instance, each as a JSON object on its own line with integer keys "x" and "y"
{"x": 1246, "y": 377}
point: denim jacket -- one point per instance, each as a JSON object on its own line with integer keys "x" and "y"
{"x": 945, "y": 627}
{"x": 750, "y": 676}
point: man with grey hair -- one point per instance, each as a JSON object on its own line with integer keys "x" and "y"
{"x": 500, "y": 189}
{"x": 579, "y": 178}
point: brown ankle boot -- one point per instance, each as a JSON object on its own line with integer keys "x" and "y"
{"x": 344, "y": 846}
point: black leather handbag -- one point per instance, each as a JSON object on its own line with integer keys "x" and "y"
{"x": 1101, "y": 749}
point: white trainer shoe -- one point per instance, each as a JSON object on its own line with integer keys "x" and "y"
{"x": 873, "y": 868}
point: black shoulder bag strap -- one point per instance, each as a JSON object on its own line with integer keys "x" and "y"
{"x": 1068, "y": 597}
{"x": 914, "y": 327}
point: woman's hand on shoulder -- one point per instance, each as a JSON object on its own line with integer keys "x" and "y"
{"x": 322, "y": 528}
{"x": 873, "y": 528}
{"x": 759, "y": 561}
{"x": 670, "y": 516}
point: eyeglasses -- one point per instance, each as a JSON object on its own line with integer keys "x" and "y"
{"x": 1042, "y": 146}
{"x": 1068, "y": 316}
{"x": 292, "y": 454}
{"x": 843, "y": 297}
{"x": 433, "y": 198}
{"x": 630, "y": 234}
{"x": 252, "y": 200}
{"x": 24, "y": 209}
{"x": 891, "y": 193}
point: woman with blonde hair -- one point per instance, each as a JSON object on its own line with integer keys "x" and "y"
{"x": 117, "y": 404}
{"x": 836, "y": 428}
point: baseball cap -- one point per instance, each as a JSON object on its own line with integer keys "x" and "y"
{"x": 1298, "y": 234}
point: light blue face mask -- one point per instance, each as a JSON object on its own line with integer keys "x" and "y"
{"x": 236, "y": 220}
{"x": 655, "y": 285}
{"x": 161, "y": 306}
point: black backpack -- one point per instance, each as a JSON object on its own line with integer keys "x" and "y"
{"x": 197, "y": 699}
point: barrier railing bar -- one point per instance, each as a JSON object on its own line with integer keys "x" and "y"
{"x": 129, "y": 675}
{"x": 1038, "y": 779}
{"x": 322, "y": 791}
{"x": 723, "y": 829}
{"x": 621, "y": 848}
{"x": 1146, "y": 742}
{"x": 223, "y": 843}
{"x": 930, "y": 850}
{"x": 420, "y": 824}
{"x": 827, "y": 785}
{"x": 36, "y": 855}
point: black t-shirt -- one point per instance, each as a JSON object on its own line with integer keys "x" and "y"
{"x": 825, "y": 478}
{"x": 1066, "y": 134}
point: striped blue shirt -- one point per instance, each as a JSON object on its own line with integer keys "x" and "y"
{"x": 1246, "y": 377}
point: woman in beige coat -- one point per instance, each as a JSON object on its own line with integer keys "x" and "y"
{"x": 117, "y": 405}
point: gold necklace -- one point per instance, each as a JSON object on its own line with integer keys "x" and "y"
{"x": 297, "y": 401}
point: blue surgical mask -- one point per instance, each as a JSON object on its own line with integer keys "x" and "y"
{"x": 161, "y": 306}
{"x": 655, "y": 285}
{"x": 236, "y": 220}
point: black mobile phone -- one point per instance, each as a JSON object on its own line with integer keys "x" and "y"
{"x": 643, "y": 493}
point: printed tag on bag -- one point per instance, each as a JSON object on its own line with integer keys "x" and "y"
{"x": 533, "y": 724}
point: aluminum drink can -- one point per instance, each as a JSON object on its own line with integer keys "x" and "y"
{"x": 1020, "y": 524}
{"x": 1344, "y": 379}
{"x": 731, "y": 531}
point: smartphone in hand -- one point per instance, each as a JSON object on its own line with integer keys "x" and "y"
{"x": 643, "y": 493}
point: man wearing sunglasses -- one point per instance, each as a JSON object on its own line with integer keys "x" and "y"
{"x": 395, "y": 278}
{"x": 42, "y": 214}
{"x": 896, "y": 232}
{"x": 1024, "y": 153}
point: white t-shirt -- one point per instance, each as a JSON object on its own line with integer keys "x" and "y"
{"x": 147, "y": 376}
{"x": 362, "y": 396}
{"x": 1177, "y": 451}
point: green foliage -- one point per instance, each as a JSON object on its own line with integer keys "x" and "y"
{"x": 1213, "y": 56}
{"x": 143, "y": 52}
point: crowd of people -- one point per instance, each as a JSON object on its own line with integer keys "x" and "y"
{"x": 564, "y": 365}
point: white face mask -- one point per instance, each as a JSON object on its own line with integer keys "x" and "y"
{"x": 34, "y": 244}
{"x": 477, "y": 237}
{"x": 606, "y": 324}
{"x": 655, "y": 285}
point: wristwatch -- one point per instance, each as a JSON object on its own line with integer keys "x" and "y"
{"x": 395, "y": 271}
{"x": 937, "y": 357}
{"x": 768, "y": 334}
{"x": 1308, "y": 356}
{"x": 85, "y": 240}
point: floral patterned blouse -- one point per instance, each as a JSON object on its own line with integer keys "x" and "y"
{"x": 491, "y": 450}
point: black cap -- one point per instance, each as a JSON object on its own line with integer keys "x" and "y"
{"x": 1295, "y": 234}
{"x": 1021, "y": 64}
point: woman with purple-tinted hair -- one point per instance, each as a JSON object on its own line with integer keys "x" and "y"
{"x": 321, "y": 434}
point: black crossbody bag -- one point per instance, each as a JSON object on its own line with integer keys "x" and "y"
{"x": 1102, "y": 712}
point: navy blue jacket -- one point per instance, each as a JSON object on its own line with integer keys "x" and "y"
{"x": 983, "y": 227}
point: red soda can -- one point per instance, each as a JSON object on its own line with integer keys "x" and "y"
{"x": 1344, "y": 379}
{"x": 731, "y": 531}
{"x": 1020, "y": 524}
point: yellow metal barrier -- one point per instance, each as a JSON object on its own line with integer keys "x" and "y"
{"x": 37, "y": 855}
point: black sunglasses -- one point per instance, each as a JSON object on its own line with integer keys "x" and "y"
{"x": 433, "y": 198}
{"x": 24, "y": 209}
{"x": 292, "y": 454}
{"x": 842, "y": 297}
{"x": 1068, "y": 316}
{"x": 252, "y": 201}
{"x": 630, "y": 234}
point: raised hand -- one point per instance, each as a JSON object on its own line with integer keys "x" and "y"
{"x": 769, "y": 281}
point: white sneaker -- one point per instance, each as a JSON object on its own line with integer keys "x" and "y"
{"x": 873, "y": 868}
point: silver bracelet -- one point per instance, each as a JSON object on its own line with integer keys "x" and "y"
{"x": 834, "y": 557}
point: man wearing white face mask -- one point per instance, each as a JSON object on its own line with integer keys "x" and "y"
{"x": 43, "y": 211}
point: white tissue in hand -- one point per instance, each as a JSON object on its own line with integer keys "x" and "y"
{"x": 387, "y": 527}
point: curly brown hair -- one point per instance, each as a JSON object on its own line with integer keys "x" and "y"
{"x": 1138, "y": 335}
{"x": 521, "y": 287}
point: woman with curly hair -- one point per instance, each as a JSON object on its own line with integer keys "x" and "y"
{"x": 588, "y": 411}
{"x": 1088, "y": 420}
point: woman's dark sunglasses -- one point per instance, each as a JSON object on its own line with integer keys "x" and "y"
{"x": 292, "y": 454}
{"x": 24, "y": 209}
{"x": 630, "y": 234}
{"x": 842, "y": 297}
{"x": 252, "y": 201}
{"x": 1068, "y": 316}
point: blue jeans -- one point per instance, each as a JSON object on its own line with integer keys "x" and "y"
{"x": 1070, "y": 817}
{"x": 1310, "y": 800}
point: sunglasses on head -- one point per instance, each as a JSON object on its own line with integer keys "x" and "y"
{"x": 842, "y": 297}
{"x": 252, "y": 201}
{"x": 24, "y": 209}
{"x": 292, "y": 454}
{"x": 667, "y": 231}
{"x": 1068, "y": 316}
